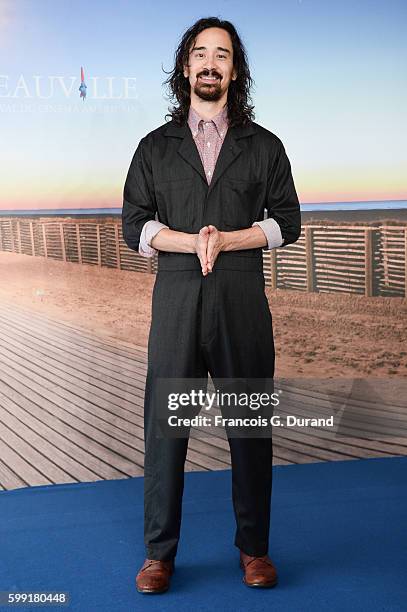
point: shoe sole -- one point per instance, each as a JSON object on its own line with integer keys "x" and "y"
{"x": 152, "y": 591}
{"x": 260, "y": 585}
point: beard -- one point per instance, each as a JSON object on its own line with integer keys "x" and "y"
{"x": 207, "y": 91}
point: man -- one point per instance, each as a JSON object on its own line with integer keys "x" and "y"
{"x": 208, "y": 174}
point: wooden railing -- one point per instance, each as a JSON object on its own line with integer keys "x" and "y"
{"x": 368, "y": 260}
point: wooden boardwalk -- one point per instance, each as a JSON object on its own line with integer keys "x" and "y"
{"x": 71, "y": 410}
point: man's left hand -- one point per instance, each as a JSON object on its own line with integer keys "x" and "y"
{"x": 215, "y": 245}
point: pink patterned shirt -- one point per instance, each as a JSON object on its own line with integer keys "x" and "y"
{"x": 208, "y": 136}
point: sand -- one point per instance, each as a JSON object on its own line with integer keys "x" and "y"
{"x": 316, "y": 335}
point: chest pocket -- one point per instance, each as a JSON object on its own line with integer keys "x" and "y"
{"x": 240, "y": 202}
{"x": 175, "y": 203}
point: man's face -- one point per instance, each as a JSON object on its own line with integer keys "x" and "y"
{"x": 210, "y": 68}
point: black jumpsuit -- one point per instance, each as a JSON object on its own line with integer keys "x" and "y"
{"x": 219, "y": 323}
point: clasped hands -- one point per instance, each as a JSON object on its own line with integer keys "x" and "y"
{"x": 208, "y": 244}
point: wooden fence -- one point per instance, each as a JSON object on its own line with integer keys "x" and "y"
{"x": 362, "y": 259}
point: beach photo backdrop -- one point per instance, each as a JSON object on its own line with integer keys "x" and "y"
{"x": 80, "y": 84}
{"x": 329, "y": 80}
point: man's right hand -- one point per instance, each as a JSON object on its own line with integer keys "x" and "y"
{"x": 201, "y": 245}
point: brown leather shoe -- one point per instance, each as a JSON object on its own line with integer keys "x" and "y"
{"x": 258, "y": 571}
{"x": 154, "y": 576}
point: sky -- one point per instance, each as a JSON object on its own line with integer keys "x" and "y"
{"x": 330, "y": 81}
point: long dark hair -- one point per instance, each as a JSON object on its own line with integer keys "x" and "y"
{"x": 240, "y": 112}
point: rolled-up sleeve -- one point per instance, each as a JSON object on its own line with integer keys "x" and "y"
{"x": 139, "y": 204}
{"x": 282, "y": 200}
{"x": 272, "y": 232}
{"x": 150, "y": 229}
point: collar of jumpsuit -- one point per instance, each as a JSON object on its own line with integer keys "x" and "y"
{"x": 209, "y": 136}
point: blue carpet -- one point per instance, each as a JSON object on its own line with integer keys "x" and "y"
{"x": 338, "y": 540}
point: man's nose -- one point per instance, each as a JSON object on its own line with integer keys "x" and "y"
{"x": 210, "y": 64}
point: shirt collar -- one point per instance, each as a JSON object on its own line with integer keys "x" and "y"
{"x": 220, "y": 120}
